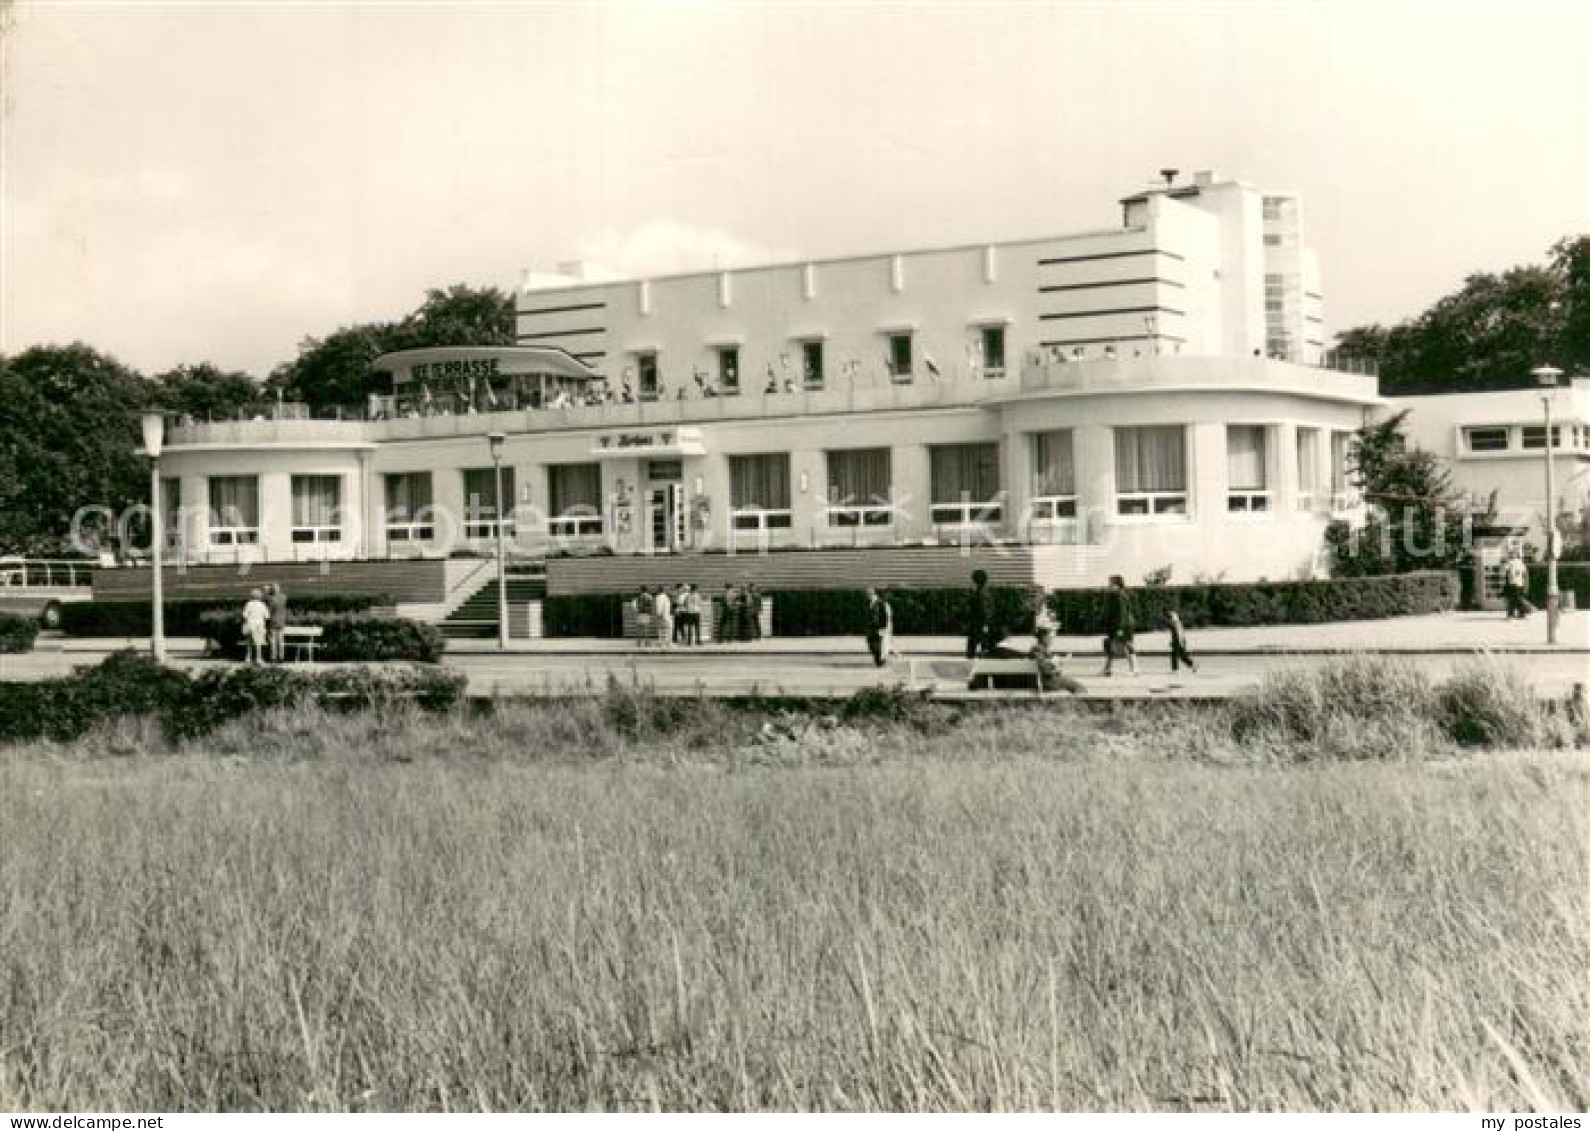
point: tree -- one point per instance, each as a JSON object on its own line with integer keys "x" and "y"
{"x": 460, "y": 316}
{"x": 205, "y": 391}
{"x": 69, "y": 440}
{"x": 335, "y": 371}
{"x": 1416, "y": 520}
{"x": 1490, "y": 332}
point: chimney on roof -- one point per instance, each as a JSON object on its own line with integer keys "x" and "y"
{"x": 1169, "y": 176}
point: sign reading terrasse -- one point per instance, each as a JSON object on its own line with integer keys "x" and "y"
{"x": 457, "y": 367}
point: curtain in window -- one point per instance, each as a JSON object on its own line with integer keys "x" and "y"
{"x": 968, "y": 472}
{"x": 574, "y": 487}
{"x": 1338, "y": 462}
{"x": 1245, "y": 457}
{"x": 1053, "y": 464}
{"x": 759, "y": 481}
{"x": 859, "y": 477}
{"x": 407, "y": 495}
{"x": 171, "y": 508}
{"x": 1307, "y": 459}
{"x": 316, "y": 500}
{"x": 1151, "y": 459}
{"x": 480, "y": 491}
{"x": 234, "y": 500}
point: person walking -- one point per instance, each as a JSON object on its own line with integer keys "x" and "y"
{"x": 1515, "y": 587}
{"x": 977, "y": 615}
{"x": 662, "y": 610}
{"x": 276, "y": 599}
{"x": 753, "y": 612}
{"x": 1178, "y": 643}
{"x": 1044, "y": 626}
{"x": 694, "y": 610}
{"x": 879, "y": 627}
{"x": 729, "y": 622}
{"x": 643, "y": 606}
{"x": 256, "y": 614}
{"x": 681, "y": 633}
{"x": 1122, "y": 625}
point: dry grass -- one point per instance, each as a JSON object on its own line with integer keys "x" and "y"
{"x": 592, "y": 906}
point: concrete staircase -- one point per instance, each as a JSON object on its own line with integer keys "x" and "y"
{"x": 477, "y": 616}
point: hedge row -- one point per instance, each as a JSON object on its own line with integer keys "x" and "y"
{"x": 1080, "y": 612}
{"x": 130, "y": 685}
{"x": 347, "y": 636}
{"x": 1572, "y": 577}
{"x": 182, "y": 617}
{"x": 17, "y": 634}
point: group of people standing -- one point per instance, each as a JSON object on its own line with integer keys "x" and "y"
{"x": 665, "y": 617}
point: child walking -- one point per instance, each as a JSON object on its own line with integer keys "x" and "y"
{"x": 1178, "y": 644}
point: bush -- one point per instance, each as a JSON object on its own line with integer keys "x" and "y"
{"x": 1486, "y": 704}
{"x": 223, "y": 694}
{"x": 1080, "y": 612}
{"x": 184, "y": 617}
{"x": 347, "y": 636}
{"x": 1572, "y": 577}
{"x": 584, "y": 614}
{"x": 17, "y": 634}
{"x": 1355, "y": 709}
{"x": 130, "y": 685}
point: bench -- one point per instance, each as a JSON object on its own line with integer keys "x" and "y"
{"x": 302, "y": 638}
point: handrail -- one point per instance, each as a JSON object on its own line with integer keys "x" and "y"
{"x": 46, "y": 573}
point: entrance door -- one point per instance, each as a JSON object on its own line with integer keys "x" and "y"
{"x": 660, "y": 507}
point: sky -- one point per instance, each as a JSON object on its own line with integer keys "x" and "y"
{"x": 183, "y": 183}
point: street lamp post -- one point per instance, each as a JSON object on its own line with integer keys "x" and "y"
{"x": 1547, "y": 375}
{"x": 497, "y": 439}
{"x": 154, "y": 429}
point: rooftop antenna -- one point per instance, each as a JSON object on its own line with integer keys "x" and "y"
{"x": 1169, "y": 175}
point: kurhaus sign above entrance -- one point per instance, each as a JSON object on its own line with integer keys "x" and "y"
{"x": 649, "y": 442}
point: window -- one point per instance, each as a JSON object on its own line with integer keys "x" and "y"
{"x": 410, "y": 516}
{"x": 993, "y": 351}
{"x": 860, "y": 486}
{"x": 1247, "y": 470}
{"x": 1488, "y": 439}
{"x": 234, "y": 510}
{"x": 1307, "y": 467}
{"x": 812, "y": 364}
{"x": 965, "y": 484}
{"x": 646, "y": 371}
{"x": 171, "y": 512}
{"x": 481, "y": 512}
{"x": 1151, "y": 470}
{"x": 729, "y": 370}
{"x": 900, "y": 356}
{"x": 1339, "y": 492}
{"x": 1535, "y": 437}
{"x": 759, "y": 492}
{"x": 574, "y": 497}
{"x": 1054, "y": 476}
{"x": 317, "y": 508}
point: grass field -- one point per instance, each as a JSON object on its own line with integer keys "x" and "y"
{"x": 584, "y": 908}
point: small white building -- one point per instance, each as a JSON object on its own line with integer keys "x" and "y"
{"x": 1496, "y": 442}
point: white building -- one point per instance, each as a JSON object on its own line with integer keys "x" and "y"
{"x": 1496, "y": 442}
{"x": 1122, "y": 400}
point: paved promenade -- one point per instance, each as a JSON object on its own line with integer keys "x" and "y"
{"x": 1232, "y": 660}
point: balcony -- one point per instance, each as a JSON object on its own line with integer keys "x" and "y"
{"x": 264, "y": 432}
{"x": 1042, "y": 375}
